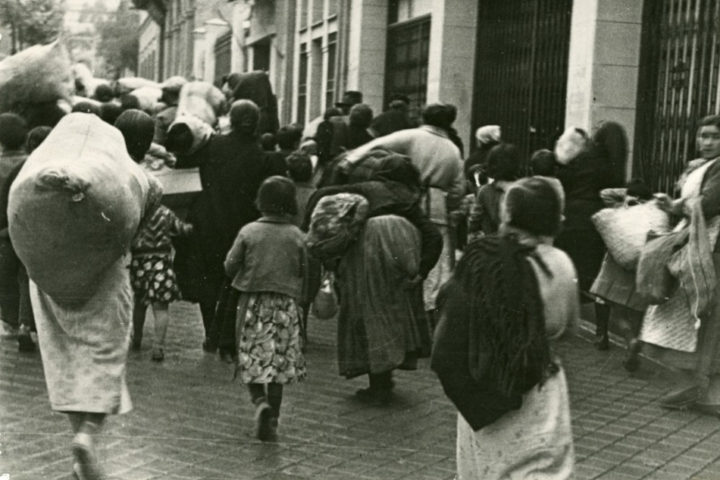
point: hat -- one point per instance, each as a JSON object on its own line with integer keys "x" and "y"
{"x": 350, "y": 98}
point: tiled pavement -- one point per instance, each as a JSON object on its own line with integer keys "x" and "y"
{"x": 191, "y": 421}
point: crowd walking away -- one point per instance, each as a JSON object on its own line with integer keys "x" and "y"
{"x": 473, "y": 261}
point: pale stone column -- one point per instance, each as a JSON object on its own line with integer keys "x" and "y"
{"x": 451, "y": 63}
{"x": 198, "y": 53}
{"x": 366, "y": 51}
{"x": 603, "y": 64}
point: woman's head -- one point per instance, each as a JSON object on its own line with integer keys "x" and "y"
{"x": 13, "y": 131}
{"x": 571, "y": 143}
{"x": 109, "y": 112}
{"x": 288, "y": 137}
{"x": 437, "y": 115}
{"x": 533, "y": 205}
{"x": 504, "y": 162}
{"x": 268, "y": 142}
{"x": 708, "y": 137}
{"x": 36, "y": 136}
{"x": 244, "y": 117}
{"x": 276, "y": 196}
{"x": 138, "y": 128}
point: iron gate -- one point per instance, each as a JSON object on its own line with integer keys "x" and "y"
{"x": 678, "y": 85}
{"x": 521, "y": 69}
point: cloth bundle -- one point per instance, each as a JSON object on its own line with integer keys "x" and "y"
{"x": 38, "y": 74}
{"x": 335, "y": 223}
{"x": 75, "y": 207}
{"x": 147, "y": 97}
{"x": 199, "y": 108}
{"x": 128, "y": 84}
{"x": 624, "y": 230}
{"x": 256, "y": 86}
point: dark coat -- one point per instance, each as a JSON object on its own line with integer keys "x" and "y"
{"x": 232, "y": 167}
{"x": 582, "y": 179}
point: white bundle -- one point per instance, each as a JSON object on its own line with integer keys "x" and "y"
{"x": 38, "y": 74}
{"x": 148, "y": 97}
{"x": 128, "y": 84}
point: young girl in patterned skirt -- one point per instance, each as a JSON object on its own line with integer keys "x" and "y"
{"x": 267, "y": 263}
{"x": 151, "y": 273}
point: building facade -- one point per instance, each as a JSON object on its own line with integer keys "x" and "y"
{"x": 532, "y": 66}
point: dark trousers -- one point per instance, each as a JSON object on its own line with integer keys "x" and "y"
{"x": 15, "y": 306}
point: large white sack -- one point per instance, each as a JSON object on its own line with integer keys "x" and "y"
{"x": 75, "y": 206}
{"x": 148, "y": 97}
{"x": 202, "y": 100}
{"x": 38, "y": 74}
{"x": 128, "y": 84}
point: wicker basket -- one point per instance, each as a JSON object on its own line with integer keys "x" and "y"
{"x": 624, "y": 230}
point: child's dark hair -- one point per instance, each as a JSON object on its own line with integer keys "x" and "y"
{"x": 639, "y": 189}
{"x": 543, "y": 163}
{"x": 503, "y": 162}
{"x": 276, "y": 196}
{"x": 13, "y": 131}
{"x": 299, "y": 167}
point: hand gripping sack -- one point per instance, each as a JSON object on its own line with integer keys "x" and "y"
{"x": 325, "y": 304}
{"x": 39, "y": 74}
{"x": 75, "y": 207}
{"x": 624, "y": 230}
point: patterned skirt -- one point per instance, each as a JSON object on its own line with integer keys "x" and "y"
{"x": 269, "y": 341}
{"x": 153, "y": 279}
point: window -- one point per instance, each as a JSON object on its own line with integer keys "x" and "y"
{"x": 330, "y": 77}
{"x": 303, "y": 13}
{"x": 333, "y": 7}
{"x": 302, "y": 84}
{"x": 261, "y": 55}
{"x": 317, "y": 11}
{"x": 316, "y": 77}
{"x": 407, "y": 60}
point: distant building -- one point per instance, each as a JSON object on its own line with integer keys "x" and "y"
{"x": 80, "y": 22}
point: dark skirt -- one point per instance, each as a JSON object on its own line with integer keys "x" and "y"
{"x": 382, "y": 323}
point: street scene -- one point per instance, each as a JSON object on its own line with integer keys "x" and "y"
{"x": 359, "y": 239}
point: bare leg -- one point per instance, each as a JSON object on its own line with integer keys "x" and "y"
{"x": 162, "y": 318}
{"x": 83, "y": 445}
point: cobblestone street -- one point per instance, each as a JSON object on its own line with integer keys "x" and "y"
{"x": 191, "y": 421}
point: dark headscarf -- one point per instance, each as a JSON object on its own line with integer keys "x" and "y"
{"x": 138, "y": 128}
{"x": 611, "y": 144}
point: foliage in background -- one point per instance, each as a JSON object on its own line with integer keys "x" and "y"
{"x": 31, "y": 22}
{"x": 118, "y": 44}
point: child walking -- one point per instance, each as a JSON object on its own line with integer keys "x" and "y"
{"x": 267, "y": 263}
{"x": 151, "y": 273}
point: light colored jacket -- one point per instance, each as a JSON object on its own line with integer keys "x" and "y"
{"x": 432, "y": 152}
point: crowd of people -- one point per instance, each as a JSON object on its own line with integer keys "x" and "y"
{"x": 479, "y": 263}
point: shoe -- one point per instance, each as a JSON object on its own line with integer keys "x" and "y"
{"x": 374, "y": 395}
{"x": 263, "y": 413}
{"x": 681, "y": 399}
{"x": 632, "y": 357}
{"x": 85, "y": 458}
{"x": 603, "y": 343}
{"x": 158, "y": 355}
{"x": 269, "y": 431}
{"x": 712, "y": 410}
{"x": 209, "y": 346}
{"x": 25, "y": 343}
{"x": 135, "y": 343}
{"x": 227, "y": 355}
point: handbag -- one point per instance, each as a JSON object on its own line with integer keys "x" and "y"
{"x": 654, "y": 281}
{"x": 625, "y": 230}
{"x": 325, "y": 305}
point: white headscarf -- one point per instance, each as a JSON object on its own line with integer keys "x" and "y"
{"x": 488, "y": 134}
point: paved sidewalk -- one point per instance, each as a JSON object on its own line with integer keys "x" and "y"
{"x": 191, "y": 421}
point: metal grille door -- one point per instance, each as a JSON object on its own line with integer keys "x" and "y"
{"x": 678, "y": 85}
{"x": 521, "y": 69}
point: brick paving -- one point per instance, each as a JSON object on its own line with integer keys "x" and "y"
{"x": 191, "y": 421}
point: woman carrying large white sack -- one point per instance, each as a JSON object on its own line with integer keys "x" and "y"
{"x": 683, "y": 332}
{"x": 74, "y": 209}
